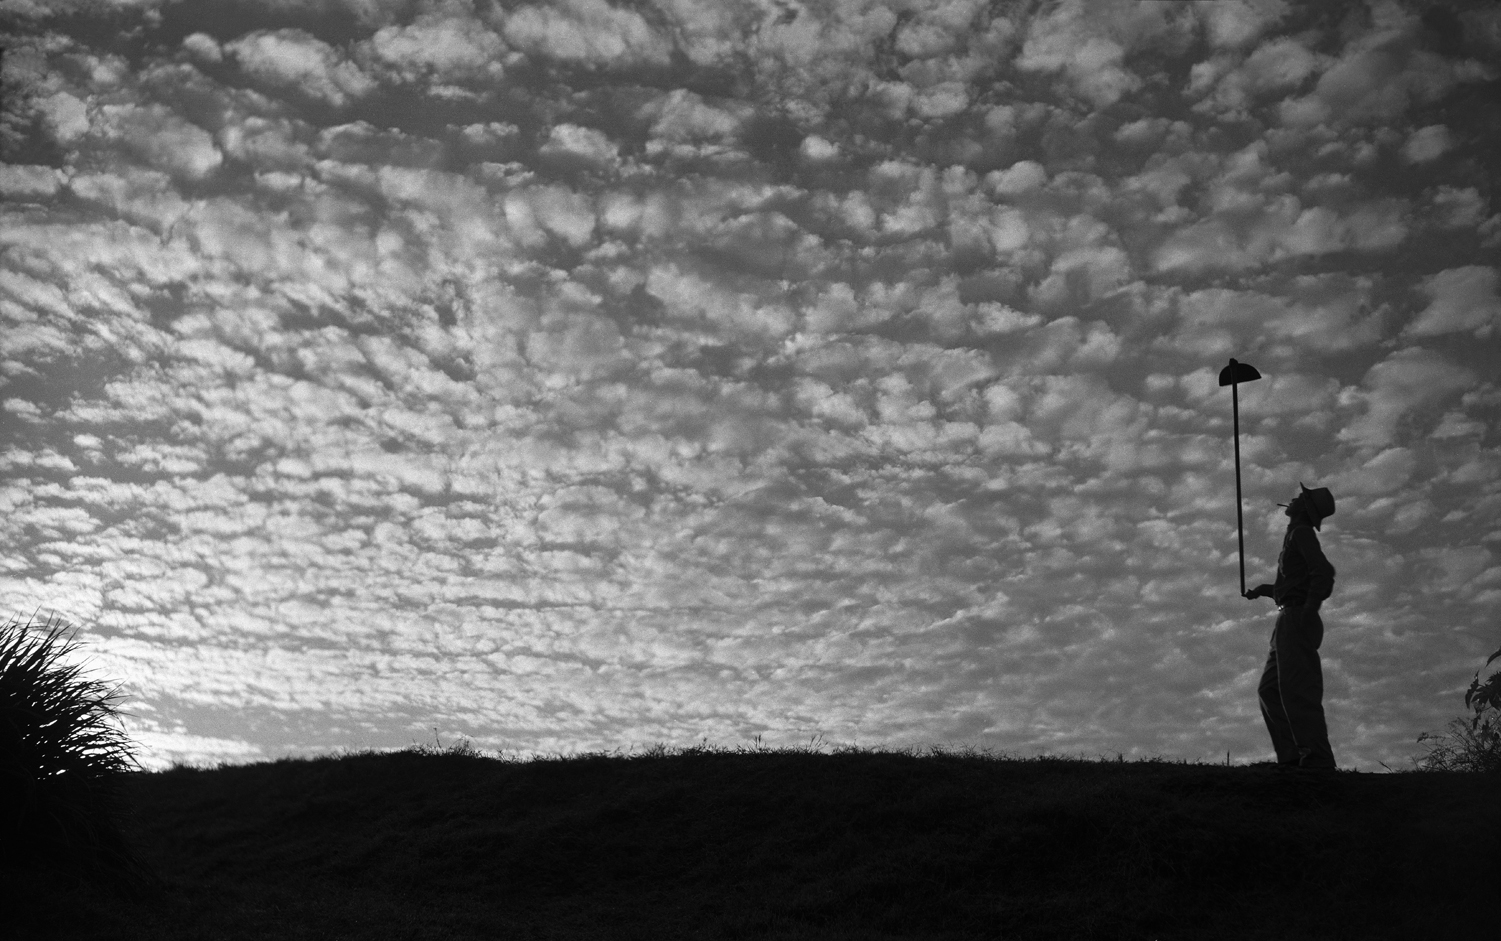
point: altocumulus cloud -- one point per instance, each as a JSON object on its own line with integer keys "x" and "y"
{"x": 578, "y": 374}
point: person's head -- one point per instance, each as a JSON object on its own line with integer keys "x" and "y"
{"x": 1293, "y": 508}
{"x": 1312, "y": 505}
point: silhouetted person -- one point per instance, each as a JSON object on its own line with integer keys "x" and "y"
{"x": 1292, "y": 685}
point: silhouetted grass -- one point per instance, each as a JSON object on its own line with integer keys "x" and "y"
{"x": 63, "y": 759}
{"x": 709, "y": 843}
{"x": 1472, "y": 744}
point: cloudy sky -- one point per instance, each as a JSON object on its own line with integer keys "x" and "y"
{"x": 576, "y": 375}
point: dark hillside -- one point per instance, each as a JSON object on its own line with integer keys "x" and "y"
{"x": 866, "y": 845}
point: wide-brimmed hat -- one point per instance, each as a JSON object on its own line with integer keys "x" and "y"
{"x": 1319, "y": 503}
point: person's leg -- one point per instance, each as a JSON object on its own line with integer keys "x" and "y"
{"x": 1300, "y": 680}
{"x": 1272, "y": 711}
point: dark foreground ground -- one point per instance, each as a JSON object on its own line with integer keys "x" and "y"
{"x": 856, "y": 845}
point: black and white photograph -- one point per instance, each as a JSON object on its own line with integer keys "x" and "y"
{"x": 750, "y": 468}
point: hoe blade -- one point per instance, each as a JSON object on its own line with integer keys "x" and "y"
{"x": 1238, "y": 372}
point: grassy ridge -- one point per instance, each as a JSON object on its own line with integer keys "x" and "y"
{"x": 869, "y": 845}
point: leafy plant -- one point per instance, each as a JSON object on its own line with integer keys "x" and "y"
{"x": 62, "y": 757}
{"x": 1472, "y": 744}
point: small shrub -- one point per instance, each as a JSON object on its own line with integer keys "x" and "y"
{"x": 62, "y": 756}
{"x": 1472, "y": 744}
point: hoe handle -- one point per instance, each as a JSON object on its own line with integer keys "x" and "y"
{"x": 1240, "y": 536}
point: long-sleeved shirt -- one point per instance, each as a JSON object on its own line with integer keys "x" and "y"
{"x": 1303, "y": 574}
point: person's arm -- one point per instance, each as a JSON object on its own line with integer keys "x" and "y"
{"x": 1260, "y": 591}
{"x": 1320, "y": 571}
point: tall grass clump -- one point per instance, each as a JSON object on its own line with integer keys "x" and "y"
{"x": 63, "y": 755}
{"x": 1472, "y": 744}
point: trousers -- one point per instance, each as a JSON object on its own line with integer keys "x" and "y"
{"x": 1292, "y": 691}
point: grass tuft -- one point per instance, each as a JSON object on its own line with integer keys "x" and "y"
{"x": 63, "y": 758}
{"x": 462, "y": 748}
{"x": 1466, "y": 745}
